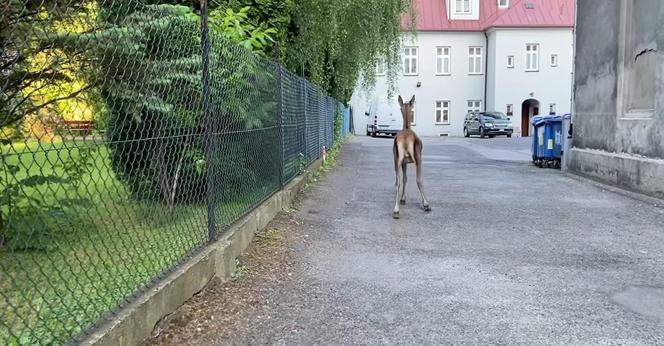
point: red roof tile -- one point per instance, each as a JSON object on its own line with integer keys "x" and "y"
{"x": 432, "y": 15}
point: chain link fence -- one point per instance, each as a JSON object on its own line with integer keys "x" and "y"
{"x": 132, "y": 135}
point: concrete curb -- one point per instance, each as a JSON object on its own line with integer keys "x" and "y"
{"x": 602, "y": 184}
{"x": 136, "y": 322}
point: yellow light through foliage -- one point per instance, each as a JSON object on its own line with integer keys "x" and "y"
{"x": 43, "y": 122}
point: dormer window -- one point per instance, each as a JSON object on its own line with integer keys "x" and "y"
{"x": 503, "y": 3}
{"x": 463, "y": 6}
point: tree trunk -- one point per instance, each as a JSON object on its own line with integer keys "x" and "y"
{"x": 161, "y": 173}
{"x": 176, "y": 179}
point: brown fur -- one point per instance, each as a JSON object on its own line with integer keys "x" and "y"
{"x": 407, "y": 149}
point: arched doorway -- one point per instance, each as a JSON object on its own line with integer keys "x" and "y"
{"x": 529, "y": 108}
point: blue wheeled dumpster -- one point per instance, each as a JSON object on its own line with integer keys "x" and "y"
{"x": 553, "y": 130}
{"x": 537, "y": 148}
{"x": 552, "y": 141}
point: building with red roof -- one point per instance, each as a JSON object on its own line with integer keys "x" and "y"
{"x": 510, "y": 56}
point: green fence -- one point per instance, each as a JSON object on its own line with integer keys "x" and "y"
{"x": 132, "y": 135}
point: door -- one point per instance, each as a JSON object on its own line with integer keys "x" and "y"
{"x": 476, "y": 123}
{"x": 529, "y": 109}
{"x": 525, "y": 119}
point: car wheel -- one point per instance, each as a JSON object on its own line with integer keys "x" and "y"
{"x": 465, "y": 132}
{"x": 492, "y": 136}
{"x": 373, "y": 134}
{"x": 482, "y": 135}
{"x": 509, "y": 136}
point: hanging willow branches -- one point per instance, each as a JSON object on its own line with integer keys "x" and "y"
{"x": 334, "y": 43}
{"x": 340, "y": 41}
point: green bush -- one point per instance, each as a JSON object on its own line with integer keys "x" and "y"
{"x": 156, "y": 127}
{"x": 31, "y": 209}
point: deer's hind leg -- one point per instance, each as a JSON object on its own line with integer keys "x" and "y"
{"x": 398, "y": 162}
{"x": 420, "y": 184}
{"x": 404, "y": 172}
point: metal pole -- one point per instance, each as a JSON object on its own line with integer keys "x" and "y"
{"x": 280, "y": 109}
{"x": 209, "y": 123}
{"x": 306, "y": 123}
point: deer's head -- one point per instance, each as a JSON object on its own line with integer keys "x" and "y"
{"x": 407, "y": 110}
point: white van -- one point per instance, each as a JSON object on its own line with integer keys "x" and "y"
{"x": 384, "y": 117}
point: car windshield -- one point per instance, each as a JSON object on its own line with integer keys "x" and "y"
{"x": 490, "y": 116}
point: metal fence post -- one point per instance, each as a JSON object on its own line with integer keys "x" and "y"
{"x": 280, "y": 109}
{"x": 321, "y": 123}
{"x": 306, "y": 123}
{"x": 209, "y": 123}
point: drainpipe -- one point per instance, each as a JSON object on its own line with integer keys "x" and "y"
{"x": 568, "y": 134}
{"x": 486, "y": 68}
{"x": 572, "y": 99}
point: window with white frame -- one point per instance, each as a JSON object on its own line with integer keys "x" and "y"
{"x": 443, "y": 60}
{"x": 410, "y": 61}
{"x": 532, "y": 57}
{"x": 552, "y": 108}
{"x": 412, "y": 121}
{"x": 462, "y": 6}
{"x": 510, "y": 109}
{"x": 554, "y": 60}
{"x": 510, "y": 61}
{"x": 475, "y": 60}
{"x": 503, "y": 3}
{"x": 443, "y": 112}
{"x": 474, "y": 106}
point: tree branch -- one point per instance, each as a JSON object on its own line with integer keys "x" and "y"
{"x": 26, "y": 97}
{"x": 17, "y": 117}
{"x": 20, "y": 83}
{"x": 70, "y": 96}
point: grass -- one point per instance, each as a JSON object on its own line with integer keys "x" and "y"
{"x": 101, "y": 253}
{"x": 330, "y": 162}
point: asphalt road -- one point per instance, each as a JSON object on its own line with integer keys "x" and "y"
{"x": 510, "y": 254}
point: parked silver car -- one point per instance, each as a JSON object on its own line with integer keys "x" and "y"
{"x": 489, "y": 124}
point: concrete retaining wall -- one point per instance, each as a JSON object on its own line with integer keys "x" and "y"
{"x": 135, "y": 323}
{"x": 636, "y": 173}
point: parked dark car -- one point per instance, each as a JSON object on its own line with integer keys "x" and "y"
{"x": 489, "y": 124}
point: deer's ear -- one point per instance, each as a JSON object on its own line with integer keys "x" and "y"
{"x": 400, "y": 101}
{"x": 412, "y": 101}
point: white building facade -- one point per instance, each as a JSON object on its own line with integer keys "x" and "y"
{"x": 512, "y": 56}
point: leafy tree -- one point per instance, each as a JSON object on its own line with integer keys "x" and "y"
{"x": 139, "y": 61}
{"x": 270, "y": 13}
{"x": 156, "y": 123}
{"x": 334, "y": 43}
{"x": 35, "y": 72}
{"x": 340, "y": 41}
{"x": 235, "y": 27}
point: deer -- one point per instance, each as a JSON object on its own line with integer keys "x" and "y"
{"x": 407, "y": 149}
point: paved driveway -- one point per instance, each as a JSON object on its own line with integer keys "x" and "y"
{"x": 510, "y": 254}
